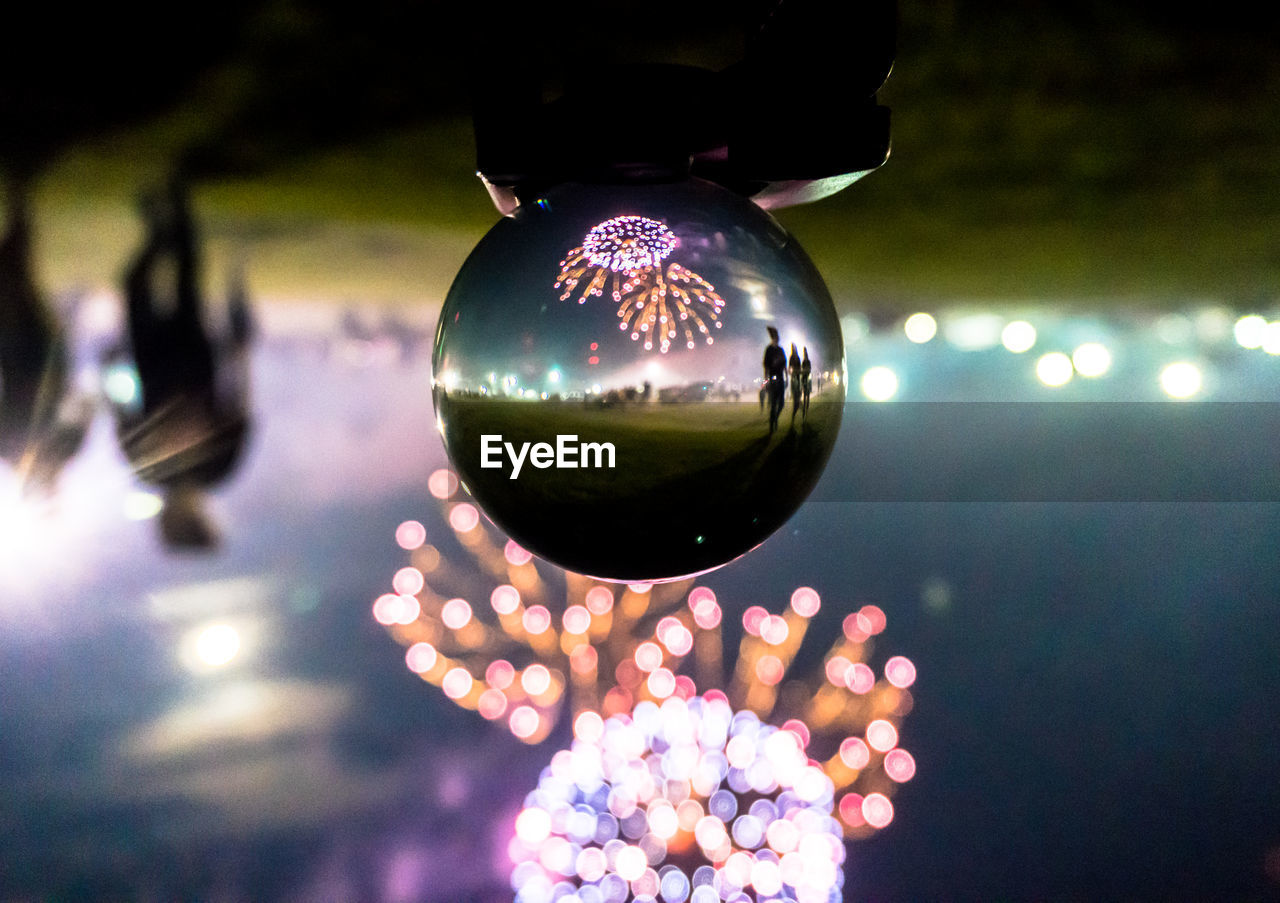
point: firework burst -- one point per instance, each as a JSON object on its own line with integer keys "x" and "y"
{"x": 685, "y": 801}
{"x": 533, "y": 637}
{"x": 611, "y": 649}
{"x": 658, "y": 301}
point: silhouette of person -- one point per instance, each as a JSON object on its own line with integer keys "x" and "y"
{"x": 775, "y": 377}
{"x": 41, "y": 426}
{"x": 192, "y": 423}
{"x": 793, "y": 364}
{"x": 806, "y": 381}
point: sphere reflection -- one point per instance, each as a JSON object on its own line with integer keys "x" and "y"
{"x": 639, "y": 382}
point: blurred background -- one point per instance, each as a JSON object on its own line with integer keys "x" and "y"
{"x": 1096, "y": 153}
{"x": 195, "y": 700}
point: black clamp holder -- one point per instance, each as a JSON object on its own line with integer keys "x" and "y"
{"x": 794, "y": 120}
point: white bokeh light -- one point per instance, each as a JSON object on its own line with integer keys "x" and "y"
{"x": 1054, "y": 369}
{"x": 608, "y": 810}
{"x": 1250, "y": 330}
{"x": 879, "y": 384}
{"x": 142, "y": 505}
{"x": 1018, "y": 336}
{"x": 920, "y": 328}
{"x": 1181, "y": 379}
{"x": 1271, "y": 338}
{"x": 217, "y": 644}
{"x": 1092, "y": 359}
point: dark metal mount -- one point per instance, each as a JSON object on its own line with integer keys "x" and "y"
{"x": 793, "y": 120}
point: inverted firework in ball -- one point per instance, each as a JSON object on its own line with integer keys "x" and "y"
{"x": 683, "y": 801}
{"x": 628, "y": 254}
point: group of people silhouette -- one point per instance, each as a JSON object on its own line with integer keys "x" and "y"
{"x": 781, "y": 371}
{"x": 185, "y": 429}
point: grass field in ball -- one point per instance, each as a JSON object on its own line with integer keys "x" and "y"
{"x": 699, "y": 480}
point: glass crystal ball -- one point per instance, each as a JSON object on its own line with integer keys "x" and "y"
{"x": 599, "y": 377}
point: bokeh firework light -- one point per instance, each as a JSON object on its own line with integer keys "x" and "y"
{"x": 847, "y": 718}
{"x": 683, "y": 801}
{"x": 614, "y": 650}
{"x": 628, "y": 254}
{"x": 504, "y": 638}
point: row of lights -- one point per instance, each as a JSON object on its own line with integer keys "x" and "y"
{"x": 1179, "y": 380}
{"x": 1255, "y": 332}
{"x": 1251, "y": 332}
